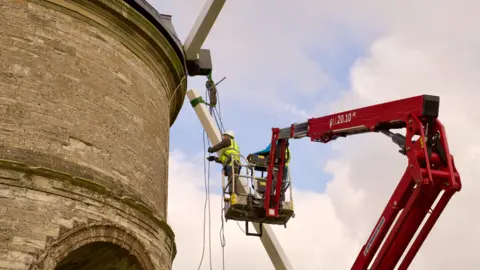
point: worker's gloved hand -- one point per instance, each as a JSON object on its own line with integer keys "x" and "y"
{"x": 209, "y": 150}
{"x": 211, "y": 158}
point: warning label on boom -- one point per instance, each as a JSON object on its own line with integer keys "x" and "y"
{"x": 374, "y": 235}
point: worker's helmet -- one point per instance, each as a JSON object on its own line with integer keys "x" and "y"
{"x": 229, "y": 133}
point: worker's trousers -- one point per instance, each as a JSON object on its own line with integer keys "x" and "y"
{"x": 284, "y": 183}
{"x": 229, "y": 172}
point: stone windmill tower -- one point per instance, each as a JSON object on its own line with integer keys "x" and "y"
{"x": 88, "y": 91}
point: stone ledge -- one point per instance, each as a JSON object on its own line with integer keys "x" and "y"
{"x": 76, "y": 189}
{"x": 52, "y": 166}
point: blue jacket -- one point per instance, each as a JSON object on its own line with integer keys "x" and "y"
{"x": 266, "y": 151}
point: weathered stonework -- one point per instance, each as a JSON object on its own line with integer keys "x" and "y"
{"x": 88, "y": 91}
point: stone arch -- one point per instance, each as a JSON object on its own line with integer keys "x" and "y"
{"x": 76, "y": 241}
{"x": 99, "y": 256}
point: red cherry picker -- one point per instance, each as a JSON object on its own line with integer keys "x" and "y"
{"x": 430, "y": 170}
{"x": 430, "y": 176}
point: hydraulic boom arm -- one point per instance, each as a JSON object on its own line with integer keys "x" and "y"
{"x": 430, "y": 171}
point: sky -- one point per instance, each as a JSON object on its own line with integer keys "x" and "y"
{"x": 287, "y": 61}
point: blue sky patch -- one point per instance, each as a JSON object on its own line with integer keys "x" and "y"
{"x": 252, "y": 122}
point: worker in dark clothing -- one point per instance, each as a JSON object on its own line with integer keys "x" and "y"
{"x": 285, "y": 179}
{"x": 229, "y": 158}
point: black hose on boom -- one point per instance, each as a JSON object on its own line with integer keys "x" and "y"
{"x": 397, "y": 138}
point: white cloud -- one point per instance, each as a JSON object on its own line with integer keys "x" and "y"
{"x": 420, "y": 47}
{"x": 261, "y": 54}
{"x": 390, "y": 73}
{"x": 316, "y": 227}
{"x": 186, "y": 208}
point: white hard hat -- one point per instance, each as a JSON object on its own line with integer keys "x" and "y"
{"x": 229, "y": 133}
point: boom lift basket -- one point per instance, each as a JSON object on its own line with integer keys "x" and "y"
{"x": 247, "y": 204}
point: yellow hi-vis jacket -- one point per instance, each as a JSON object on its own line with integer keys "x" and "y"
{"x": 287, "y": 154}
{"x": 226, "y": 157}
{"x": 287, "y": 157}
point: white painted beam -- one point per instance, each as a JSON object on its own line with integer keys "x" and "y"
{"x": 201, "y": 28}
{"x": 269, "y": 240}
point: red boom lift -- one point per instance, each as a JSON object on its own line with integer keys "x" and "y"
{"x": 430, "y": 171}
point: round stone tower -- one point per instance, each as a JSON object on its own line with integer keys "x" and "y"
{"x": 88, "y": 91}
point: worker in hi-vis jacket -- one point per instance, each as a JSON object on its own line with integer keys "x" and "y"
{"x": 229, "y": 158}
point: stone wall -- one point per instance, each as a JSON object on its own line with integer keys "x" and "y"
{"x": 88, "y": 91}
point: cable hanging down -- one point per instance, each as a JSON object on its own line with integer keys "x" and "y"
{"x": 207, "y": 203}
{"x": 211, "y": 100}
